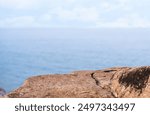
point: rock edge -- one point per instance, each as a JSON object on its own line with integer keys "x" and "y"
{"x": 118, "y": 82}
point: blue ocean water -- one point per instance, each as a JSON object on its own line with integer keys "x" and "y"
{"x": 30, "y": 52}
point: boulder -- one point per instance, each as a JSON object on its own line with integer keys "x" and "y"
{"x": 117, "y": 82}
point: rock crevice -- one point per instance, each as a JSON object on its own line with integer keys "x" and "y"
{"x": 96, "y": 81}
{"x": 120, "y": 82}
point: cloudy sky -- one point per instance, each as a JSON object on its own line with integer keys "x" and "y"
{"x": 75, "y": 13}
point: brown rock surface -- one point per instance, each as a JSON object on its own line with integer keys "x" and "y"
{"x": 118, "y": 82}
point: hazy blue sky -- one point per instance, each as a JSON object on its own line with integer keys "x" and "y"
{"x": 75, "y": 13}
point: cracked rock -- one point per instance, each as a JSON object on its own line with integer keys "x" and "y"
{"x": 120, "y": 82}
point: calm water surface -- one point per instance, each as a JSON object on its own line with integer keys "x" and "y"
{"x": 30, "y": 52}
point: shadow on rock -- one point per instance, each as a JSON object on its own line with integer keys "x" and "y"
{"x": 136, "y": 78}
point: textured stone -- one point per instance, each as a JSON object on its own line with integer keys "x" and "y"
{"x": 121, "y": 82}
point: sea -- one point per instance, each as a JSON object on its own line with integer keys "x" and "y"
{"x": 29, "y": 52}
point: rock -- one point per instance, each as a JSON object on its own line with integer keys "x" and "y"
{"x": 121, "y": 82}
{"x": 2, "y": 92}
{"x": 132, "y": 82}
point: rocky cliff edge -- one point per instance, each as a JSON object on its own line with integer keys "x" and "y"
{"x": 119, "y": 82}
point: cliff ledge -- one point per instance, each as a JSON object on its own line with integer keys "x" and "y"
{"x": 117, "y": 82}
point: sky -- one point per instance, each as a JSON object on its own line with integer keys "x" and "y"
{"x": 74, "y": 13}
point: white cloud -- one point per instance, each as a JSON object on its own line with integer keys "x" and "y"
{"x": 23, "y": 21}
{"x": 89, "y": 13}
{"x": 26, "y": 21}
{"x": 131, "y": 21}
{"x": 69, "y": 1}
{"x": 140, "y": 22}
{"x": 18, "y": 4}
{"x": 128, "y": 21}
{"x": 45, "y": 18}
{"x": 123, "y": 5}
{"x": 76, "y": 14}
{"x": 31, "y": 4}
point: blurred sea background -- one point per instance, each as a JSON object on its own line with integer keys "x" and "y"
{"x": 30, "y": 52}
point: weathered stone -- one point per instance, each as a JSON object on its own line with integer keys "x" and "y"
{"x": 118, "y": 82}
